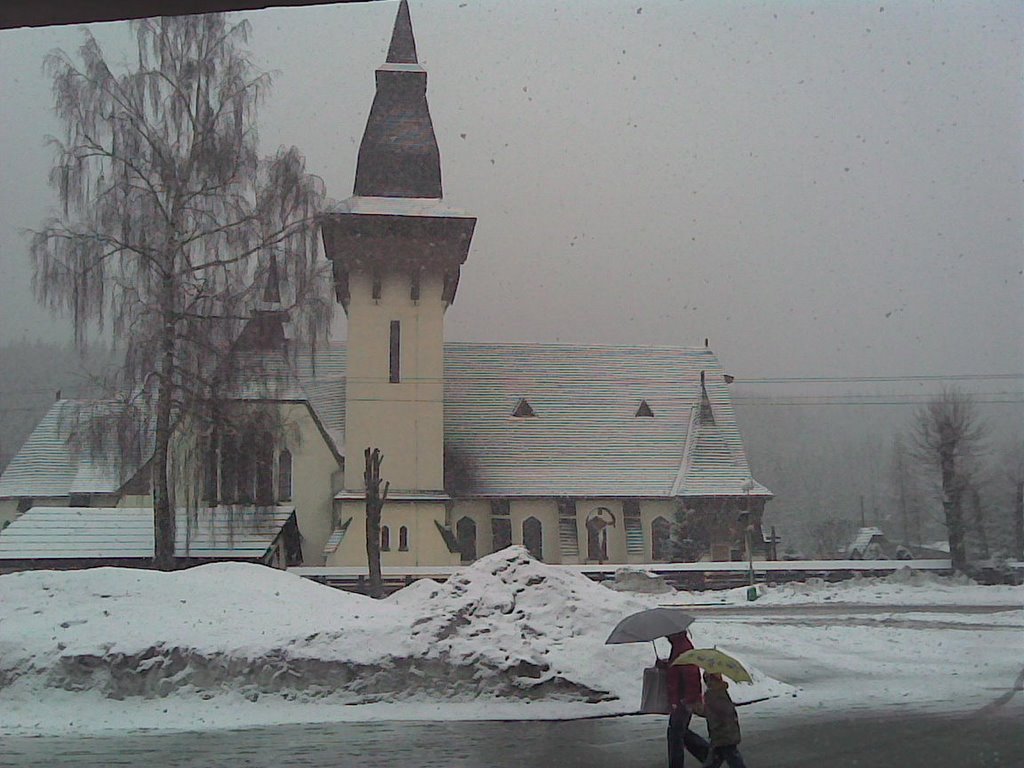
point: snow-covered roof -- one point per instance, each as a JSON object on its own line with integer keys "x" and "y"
{"x": 585, "y": 439}
{"x": 864, "y": 537}
{"x": 399, "y": 206}
{"x": 112, "y": 533}
{"x": 52, "y": 462}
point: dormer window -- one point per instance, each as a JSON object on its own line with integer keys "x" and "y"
{"x": 523, "y": 410}
{"x": 644, "y": 410}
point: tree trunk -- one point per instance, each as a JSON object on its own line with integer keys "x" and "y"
{"x": 979, "y": 522}
{"x": 163, "y": 512}
{"x": 952, "y": 506}
{"x": 374, "y": 505}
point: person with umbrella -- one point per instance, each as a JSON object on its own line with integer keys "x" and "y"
{"x": 684, "y": 695}
{"x": 723, "y": 723}
{"x": 683, "y": 681}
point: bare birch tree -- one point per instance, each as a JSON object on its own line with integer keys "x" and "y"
{"x": 170, "y": 222}
{"x": 947, "y": 434}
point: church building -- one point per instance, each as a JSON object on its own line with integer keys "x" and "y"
{"x": 582, "y": 453}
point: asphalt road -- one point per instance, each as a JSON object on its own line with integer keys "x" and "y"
{"x": 987, "y": 739}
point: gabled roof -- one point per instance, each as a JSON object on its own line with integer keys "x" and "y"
{"x": 585, "y": 440}
{"x": 52, "y": 462}
{"x": 110, "y": 533}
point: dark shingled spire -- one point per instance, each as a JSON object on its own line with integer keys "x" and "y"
{"x": 398, "y": 156}
{"x": 272, "y": 290}
{"x": 403, "y": 44}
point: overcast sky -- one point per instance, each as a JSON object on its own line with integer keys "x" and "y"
{"x": 820, "y": 188}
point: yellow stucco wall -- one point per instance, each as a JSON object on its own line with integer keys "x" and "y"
{"x": 404, "y": 420}
{"x": 426, "y": 546}
{"x": 314, "y": 466}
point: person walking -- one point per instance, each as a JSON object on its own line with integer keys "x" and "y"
{"x": 684, "y": 693}
{"x": 723, "y": 723}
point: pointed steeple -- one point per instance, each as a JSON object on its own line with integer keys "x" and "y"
{"x": 403, "y": 44}
{"x": 707, "y": 416}
{"x": 398, "y": 156}
{"x": 272, "y": 289}
{"x": 265, "y": 328}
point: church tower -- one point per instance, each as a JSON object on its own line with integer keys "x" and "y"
{"x": 396, "y": 249}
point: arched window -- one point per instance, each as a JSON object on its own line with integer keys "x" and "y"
{"x": 385, "y": 539}
{"x": 264, "y": 450}
{"x": 403, "y": 539}
{"x": 245, "y": 466}
{"x": 533, "y": 537}
{"x": 465, "y": 533}
{"x": 661, "y": 534}
{"x": 284, "y": 475}
{"x": 228, "y": 469}
{"x": 598, "y": 523}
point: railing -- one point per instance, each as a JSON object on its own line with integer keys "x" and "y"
{"x": 704, "y": 575}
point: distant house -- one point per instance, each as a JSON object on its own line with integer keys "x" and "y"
{"x": 77, "y": 537}
{"x": 582, "y": 453}
{"x": 871, "y": 544}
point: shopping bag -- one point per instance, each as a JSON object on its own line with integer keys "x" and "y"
{"x": 654, "y": 699}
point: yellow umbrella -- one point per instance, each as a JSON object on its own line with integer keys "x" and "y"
{"x": 716, "y": 662}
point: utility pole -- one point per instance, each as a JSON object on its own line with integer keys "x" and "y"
{"x": 1018, "y": 521}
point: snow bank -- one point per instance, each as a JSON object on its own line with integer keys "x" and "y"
{"x": 231, "y": 645}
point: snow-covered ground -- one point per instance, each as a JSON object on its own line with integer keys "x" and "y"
{"x": 231, "y": 645}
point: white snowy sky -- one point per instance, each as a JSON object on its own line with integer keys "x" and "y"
{"x": 822, "y": 188}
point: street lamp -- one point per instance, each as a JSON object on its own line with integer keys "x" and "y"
{"x": 748, "y": 486}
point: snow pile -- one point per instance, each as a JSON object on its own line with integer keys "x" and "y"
{"x": 526, "y": 628}
{"x": 235, "y": 645}
{"x": 904, "y": 587}
{"x": 639, "y": 580}
{"x": 537, "y": 632}
{"x": 506, "y": 629}
{"x": 220, "y": 627}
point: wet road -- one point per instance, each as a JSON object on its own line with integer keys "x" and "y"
{"x": 987, "y": 739}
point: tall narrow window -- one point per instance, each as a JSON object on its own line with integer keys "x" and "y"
{"x": 210, "y": 470}
{"x": 414, "y": 289}
{"x": 385, "y": 539}
{"x": 284, "y": 475}
{"x": 533, "y": 537}
{"x": 228, "y": 469}
{"x": 246, "y": 468}
{"x": 265, "y": 469}
{"x": 396, "y": 352}
{"x": 377, "y": 285}
{"x": 465, "y": 533}
{"x": 403, "y": 539}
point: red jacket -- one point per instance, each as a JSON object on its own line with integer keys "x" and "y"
{"x": 684, "y": 679}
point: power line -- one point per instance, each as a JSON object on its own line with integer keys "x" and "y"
{"x": 879, "y": 379}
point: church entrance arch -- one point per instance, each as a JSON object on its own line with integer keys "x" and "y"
{"x": 661, "y": 534}
{"x": 465, "y": 533}
{"x": 533, "y": 537}
{"x": 598, "y": 522}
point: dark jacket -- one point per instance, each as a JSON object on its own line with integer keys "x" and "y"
{"x": 723, "y": 723}
{"x": 683, "y": 680}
